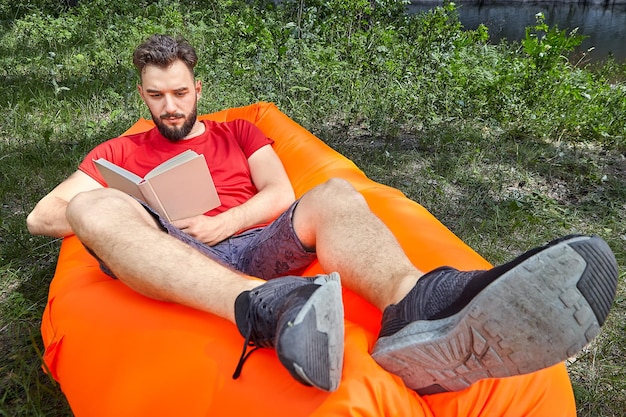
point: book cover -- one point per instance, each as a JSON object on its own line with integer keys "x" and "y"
{"x": 178, "y": 188}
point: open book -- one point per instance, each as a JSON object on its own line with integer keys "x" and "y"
{"x": 178, "y": 188}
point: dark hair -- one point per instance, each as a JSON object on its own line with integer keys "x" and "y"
{"x": 163, "y": 51}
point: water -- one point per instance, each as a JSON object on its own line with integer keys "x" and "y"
{"x": 604, "y": 26}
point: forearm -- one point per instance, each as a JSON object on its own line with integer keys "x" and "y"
{"x": 260, "y": 209}
{"x": 48, "y": 218}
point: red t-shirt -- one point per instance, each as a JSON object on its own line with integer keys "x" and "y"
{"x": 226, "y": 147}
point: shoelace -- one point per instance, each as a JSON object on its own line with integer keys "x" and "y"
{"x": 244, "y": 356}
{"x": 256, "y": 341}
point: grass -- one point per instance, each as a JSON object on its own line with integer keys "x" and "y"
{"x": 507, "y": 145}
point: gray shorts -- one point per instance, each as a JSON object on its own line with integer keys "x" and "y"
{"x": 265, "y": 252}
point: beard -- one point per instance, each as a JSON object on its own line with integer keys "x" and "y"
{"x": 175, "y": 134}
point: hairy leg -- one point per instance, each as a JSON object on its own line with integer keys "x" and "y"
{"x": 335, "y": 220}
{"x": 443, "y": 331}
{"x": 120, "y": 231}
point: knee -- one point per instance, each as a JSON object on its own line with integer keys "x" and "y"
{"x": 96, "y": 207}
{"x": 337, "y": 185}
{"x": 338, "y": 191}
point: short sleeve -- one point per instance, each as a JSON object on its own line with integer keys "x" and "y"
{"x": 250, "y": 137}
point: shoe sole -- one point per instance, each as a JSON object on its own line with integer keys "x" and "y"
{"x": 316, "y": 335}
{"x": 541, "y": 312}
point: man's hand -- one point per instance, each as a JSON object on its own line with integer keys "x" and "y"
{"x": 208, "y": 229}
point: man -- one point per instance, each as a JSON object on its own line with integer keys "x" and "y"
{"x": 211, "y": 262}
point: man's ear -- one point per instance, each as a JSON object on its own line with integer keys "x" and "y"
{"x": 198, "y": 89}
{"x": 140, "y": 90}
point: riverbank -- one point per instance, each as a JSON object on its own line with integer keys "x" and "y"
{"x": 603, "y": 25}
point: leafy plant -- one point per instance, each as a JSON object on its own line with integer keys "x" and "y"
{"x": 548, "y": 47}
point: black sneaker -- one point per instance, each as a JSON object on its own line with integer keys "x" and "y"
{"x": 302, "y": 318}
{"x": 455, "y": 328}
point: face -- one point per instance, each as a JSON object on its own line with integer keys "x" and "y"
{"x": 171, "y": 95}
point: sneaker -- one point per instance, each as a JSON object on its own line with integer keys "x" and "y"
{"x": 455, "y": 328}
{"x": 302, "y": 318}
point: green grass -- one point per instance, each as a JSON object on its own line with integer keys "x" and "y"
{"x": 507, "y": 146}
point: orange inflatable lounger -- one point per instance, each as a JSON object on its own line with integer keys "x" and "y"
{"x": 116, "y": 353}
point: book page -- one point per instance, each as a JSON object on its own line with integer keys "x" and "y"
{"x": 119, "y": 178}
{"x": 174, "y": 161}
